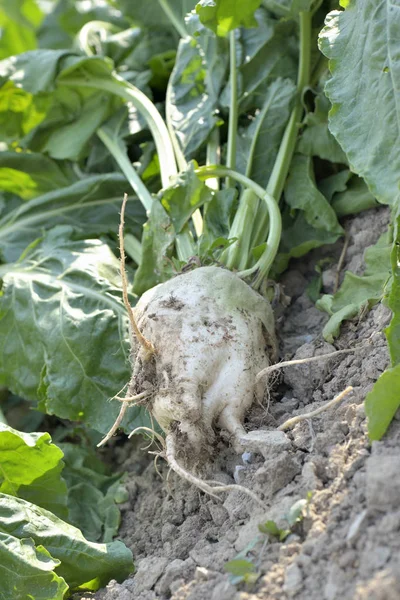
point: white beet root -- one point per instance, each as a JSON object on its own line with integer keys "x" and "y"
{"x": 212, "y": 334}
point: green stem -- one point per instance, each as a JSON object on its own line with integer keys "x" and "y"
{"x": 93, "y": 27}
{"x": 274, "y": 235}
{"x": 236, "y": 256}
{"x": 283, "y": 160}
{"x": 213, "y": 157}
{"x": 233, "y": 107}
{"x": 282, "y": 163}
{"x": 180, "y": 28}
{"x": 126, "y": 167}
{"x": 130, "y": 93}
{"x": 184, "y": 244}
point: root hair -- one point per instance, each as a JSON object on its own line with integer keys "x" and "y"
{"x": 146, "y": 344}
{"x": 212, "y": 488}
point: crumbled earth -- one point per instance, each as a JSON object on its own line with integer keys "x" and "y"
{"x": 348, "y": 544}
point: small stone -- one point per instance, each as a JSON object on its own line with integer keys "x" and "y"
{"x": 293, "y": 579}
{"x": 201, "y": 574}
{"x": 218, "y": 514}
{"x": 383, "y": 482}
{"x": 177, "y": 569}
{"x": 149, "y": 571}
{"x": 309, "y": 477}
{"x": 224, "y": 591}
{"x": 263, "y": 441}
{"x": 355, "y": 527}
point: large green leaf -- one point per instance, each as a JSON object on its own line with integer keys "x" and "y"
{"x": 82, "y": 564}
{"x": 264, "y": 53}
{"x": 63, "y": 329}
{"x": 30, "y": 468}
{"x": 93, "y": 494}
{"x": 362, "y": 45}
{"x": 258, "y": 144}
{"x": 90, "y": 205}
{"x": 224, "y": 15}
{"x": 195, "y": 84}
{"x": 27, "y": 571}
{"x": 28, "y": 174}
{"x": 72, "y": 115}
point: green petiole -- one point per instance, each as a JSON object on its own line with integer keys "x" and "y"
{"x": 264, "y": 263}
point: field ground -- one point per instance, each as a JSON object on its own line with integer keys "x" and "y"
{"x": 348, "y": 545}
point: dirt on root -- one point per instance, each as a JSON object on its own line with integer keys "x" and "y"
{"x": 348, "y": 545}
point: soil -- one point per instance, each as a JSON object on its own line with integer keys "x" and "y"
{"x": 347, "y": 546}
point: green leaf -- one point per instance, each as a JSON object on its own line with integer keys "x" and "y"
{"x": 224, "y": 15}
{"x": 195, "y": 84}
{"x": 354, "y": 199}
{"x": 92, "y": 493}
{"x": 150, "y": 14}
{"x": 298, "y": 238}
{"x": 72, "y": 114}
{"x": 382, "y": 402}
{"x": 267, "y": 52}
{"x": 302, "y": 193}
{"x": 288, "y": 8}
{"x": 19, "y": 21}
{"x": 30, "y": 468}
{"x": 27, "y": 571}
{"x": 271, "y": 528}
{"x": 20, "y": 112}
{"x": 258, "y": 144}
{"x": 29, "y": 174}
{"x": 83, "y": 564}
{"x": 358, "y": 291}
{"x": 316, "y": 139}
{"x": 334, "y": 183}
{"x": 239, "y": 567}
{"x": 157, "y": 242}
{"x": 186, "y": 195}
{"x": 65, "y": 18}
{"x": 90, "y": 205}
{"x": 361, "y": 43}
{"x": 63, "y": 329}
